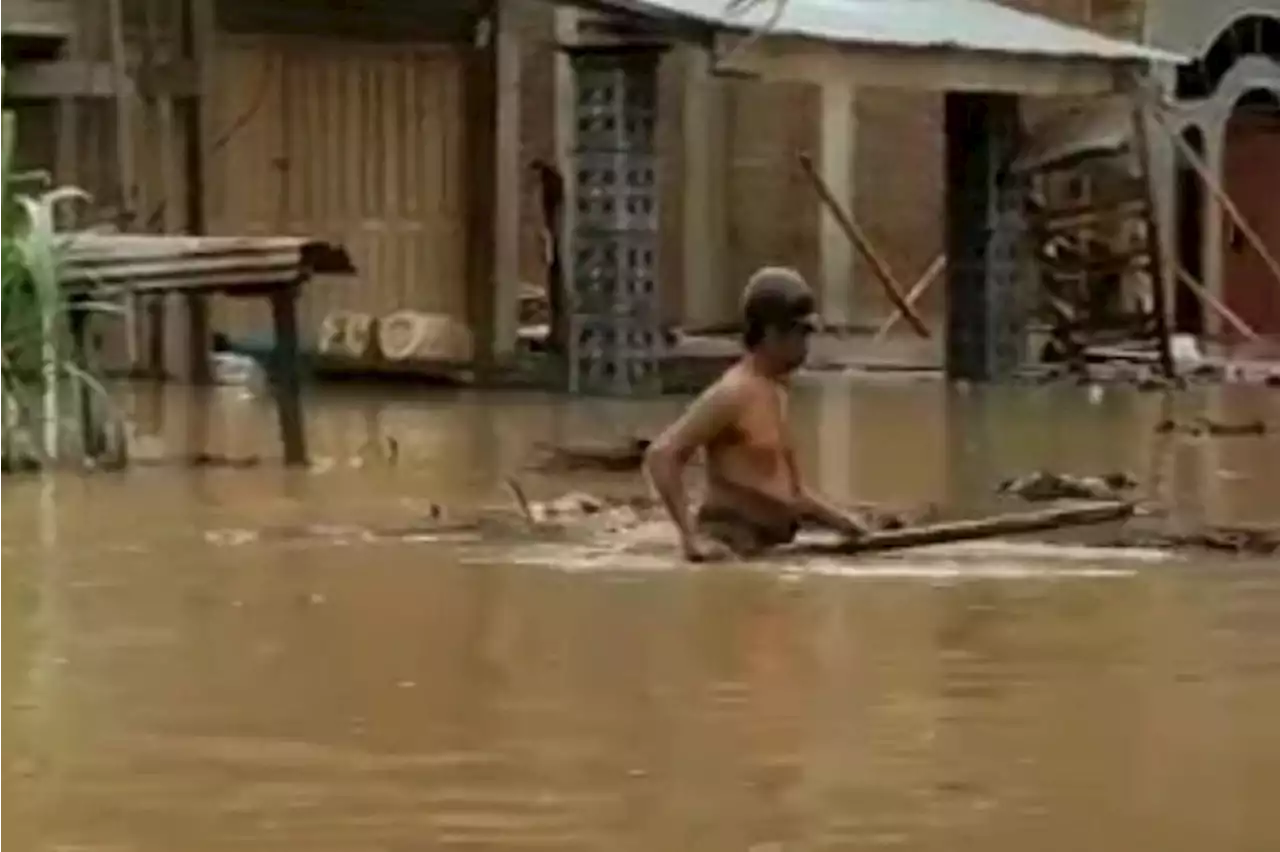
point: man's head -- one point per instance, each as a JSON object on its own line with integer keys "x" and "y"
{"x": 778, "y": 317}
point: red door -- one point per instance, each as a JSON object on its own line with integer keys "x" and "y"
{"x": 1251, "y": 173}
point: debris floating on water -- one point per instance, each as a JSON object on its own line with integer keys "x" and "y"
{"x": 1042, "y": 486}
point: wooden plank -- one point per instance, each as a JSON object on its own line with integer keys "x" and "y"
{"x": 1016, "y": 523}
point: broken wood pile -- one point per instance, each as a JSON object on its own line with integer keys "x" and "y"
{"x": 1090, "y": 224}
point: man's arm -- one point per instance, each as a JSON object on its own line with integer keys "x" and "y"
{"x": 813, "y": 507}
{"x": 667, "y": 457}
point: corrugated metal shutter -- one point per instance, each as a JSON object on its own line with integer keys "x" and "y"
{"x": 353, "y": 142}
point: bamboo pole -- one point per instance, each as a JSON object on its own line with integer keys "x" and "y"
{"x": 917, "y": 290}
{"x": 860, "y": 241}
{"x": 1208, "y": 299}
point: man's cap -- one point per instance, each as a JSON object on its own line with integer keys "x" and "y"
{"x": 776, "y": 296}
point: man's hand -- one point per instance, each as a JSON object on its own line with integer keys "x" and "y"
{"x": 700, "y": 549}
{"x": 853, "y": 528}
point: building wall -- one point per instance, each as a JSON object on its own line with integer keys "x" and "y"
{"x": 773, "y": 213}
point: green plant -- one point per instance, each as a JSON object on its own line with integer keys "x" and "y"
{"x": 39, "y": 374}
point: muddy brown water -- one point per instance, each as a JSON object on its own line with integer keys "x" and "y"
{"x": 180, "y": 675}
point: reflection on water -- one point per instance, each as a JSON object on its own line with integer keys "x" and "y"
{"x": 169, "y": 689}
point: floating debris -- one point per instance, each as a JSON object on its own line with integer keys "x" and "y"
{"x": 624, "y": 457}
{"x": 1202, "y": 426}
{"x": 1043, "y": 486}
{"x": 1237, "y": 540}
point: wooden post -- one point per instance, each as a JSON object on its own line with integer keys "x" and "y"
{"x": 66, "y": 157}
{"x": 199, "y": 368}
{"x": 480, "y": 155}
{"x": 198, "y": 28}
{"x": 1155, "y": 242}
{"x": 507, "y": 170}
{"x": 125, "y": 163}
{"x": 286, "y": 374}
{"x": 161, "y": 123}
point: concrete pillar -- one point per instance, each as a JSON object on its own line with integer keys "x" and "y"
{"x": 1214, "y": 129}
{"x": 835, "y": 442}
{"x": 986, "y": 292}
{"x": 566, "y": 33}
{"x": 507, "y": 168}
{"x": 837, "y": 137}
{"x": 705, "y": 188}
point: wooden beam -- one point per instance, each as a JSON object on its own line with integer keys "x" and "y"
{"x": 921, "y": 69}
{"x": 1015, "y": 523}
{"x": 82, "y": 78}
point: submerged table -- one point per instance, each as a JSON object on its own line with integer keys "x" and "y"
{"x": 112, "y": 266}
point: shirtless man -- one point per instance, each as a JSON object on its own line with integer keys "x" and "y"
{"x": 755, "y": 498}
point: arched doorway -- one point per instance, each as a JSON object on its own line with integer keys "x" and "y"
{"x": 1251, "y": 178}
{"x": 1229, "y": 93}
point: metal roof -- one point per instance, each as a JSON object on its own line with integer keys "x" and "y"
{"x": 107, "y": 263}
{"x": 977, "y": 25}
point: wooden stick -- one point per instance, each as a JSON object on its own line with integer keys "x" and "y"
{"x": 864, "y": 247}
{"x": 522, "y": 501}
{"x": 1041, "y": 520}
{"x": 1220, "y": 195}
{"x": 1159, "y": 294}
{"x": 917, "y": 290}
{"x": 1212, "y": 301}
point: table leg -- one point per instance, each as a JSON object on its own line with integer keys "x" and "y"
{"x": 199, "y": 370}
{"x": 91, "y": 431}
{"x": 286, "y": 374}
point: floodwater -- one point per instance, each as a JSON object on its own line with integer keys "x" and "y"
{"x": 224, "y": 659}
